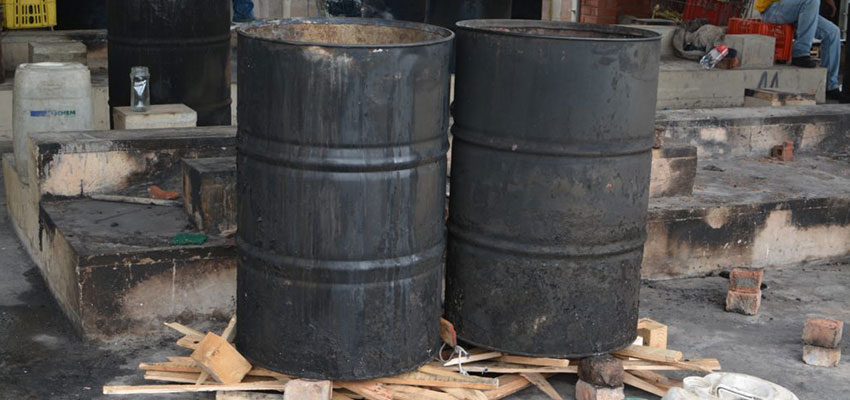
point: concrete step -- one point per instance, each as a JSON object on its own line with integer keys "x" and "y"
{"x": 751, "y": 213}
{"x": 752, "y": 132}
{"x": 683, "y": 84}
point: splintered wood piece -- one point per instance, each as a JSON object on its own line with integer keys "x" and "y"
{"x": 370, "y": 390}
{"x": 422, "y": 379}
{"x": 657, "y": 379}
{"x": 401, "y": 392}
{"x": 473, "y": 357}
{"x": 641, "y": 384}
{"x": 538, "y": 361}
{"x": 247, "y": 396}
{"x": 707, "y": 364}
{"x": 302, "y": 389}
{"x": 508, "y": 385}
{"x": 448, "y": 333}
{"x": 651, "y": 354}
{"x": 220, "y": 359}
{"x": 465, "y": 394}
{"x": 185, "y": 330}
{"x": 543, "y": 384}
{"x": 506, "y": 368}
{"x": 162, "y": 389}
{"x": 190, "y": 342}
{"x": 654, "y": 333}
{"x": 228, "y": 334}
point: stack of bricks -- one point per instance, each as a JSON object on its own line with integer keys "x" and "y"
{"x": 600, "y": 378}
{"x": 821, "y": 341}
{"x": 744, "y": 295}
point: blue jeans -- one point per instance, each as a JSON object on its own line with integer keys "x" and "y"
{"x": 810, "y": 25}
{"x": 243, "y": 10}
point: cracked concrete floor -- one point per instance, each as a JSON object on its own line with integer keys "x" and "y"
{"x": 41, "y": 358}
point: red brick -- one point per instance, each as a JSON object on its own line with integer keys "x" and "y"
{"x": 743, "y": 303}
{"x": 823, "y": 332}
{"x": 746, "y": 280}
{"x": 821, "y": 356}
{"x": 586, "y": 391}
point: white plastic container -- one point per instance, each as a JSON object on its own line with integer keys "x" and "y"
{"x": 728, "y": 386}
{"x": 49, "y": 97}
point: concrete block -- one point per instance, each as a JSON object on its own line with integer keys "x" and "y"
{"x": 746, "y": 280}
{"x": 821, "y": 356}
{"x": 823, "y": 332}
{"x": 302, "y": 389}
{"x": 666, "y": 32}
{"x": 743, "y": 303}
{"x": 66, "y": 51}
{"x": 209, "y": 193}
{"x": 673, "y": 171}
{"x": 586, "y": 391}
{"x": 754, "y": 51}
{"x": 159, "y": 116}
{"x": 601, "y": 371}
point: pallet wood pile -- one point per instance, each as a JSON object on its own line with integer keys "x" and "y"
{"x": 215, "y": 366}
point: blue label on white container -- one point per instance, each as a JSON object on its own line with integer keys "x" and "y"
{"x": 53, "y": 113}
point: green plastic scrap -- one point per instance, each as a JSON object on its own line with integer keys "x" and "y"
{"x": 188, "y": 239}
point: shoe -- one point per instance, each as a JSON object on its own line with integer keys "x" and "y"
{"x": 834, "y": 94}
{"x": 804, "y": 62}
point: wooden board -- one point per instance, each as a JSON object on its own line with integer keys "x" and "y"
{"x": 654, "y": 333}
{"x": 506, "y": 368}
{"x": 219, "y": 359}
{"x": 650, "y": 353}
{"x": 538, "y": 361}
{"x": 428, "y": 380}
{"x": 542, "y": 384}
{"x": 162, "y": 389}
{"x": 632, "y": 380}
{"x": 473, "y": 357}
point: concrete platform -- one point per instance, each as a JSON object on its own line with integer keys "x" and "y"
{"x": 114, "y": 271}
{"x": 684, "y": 84}
{"x": 120, "y": 163}
{"x": 752, "y": 132}
{"x": 751, "y": 213}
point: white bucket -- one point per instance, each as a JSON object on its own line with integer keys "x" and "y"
{"x": 49, "y": 97}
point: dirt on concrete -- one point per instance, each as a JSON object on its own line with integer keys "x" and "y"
{"x": 41, "y": 357}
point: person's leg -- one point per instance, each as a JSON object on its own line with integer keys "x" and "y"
{"x": 830, "y": 49}
{"x": 803, "y": 14}
{"x": 243, "y": 10}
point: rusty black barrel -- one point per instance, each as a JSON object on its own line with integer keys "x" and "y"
{"x": 550, "y": 184}
{"x": 341, "y": 195}
{"x": 186, "y": 46}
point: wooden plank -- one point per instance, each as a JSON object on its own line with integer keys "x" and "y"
{"x": 538, "y": 361}
{"x": 473, "y": 357}
{"x": 190, "y": 377}
{"x": 654, "y": 333}
{"x": 641, "y": 384}
{"x": 650, "y": 353}
{"x": 506, "y": 368}
{"x": 302, "y": 389}
{"x": 508, "y": 385}
{"x": 428, "y": 380}
{"x": 438, "y": 370}
{"x": 163, "y": 389}
{"x": 544, "y": 385}
{"x": 710, "y": 364}
{"x": 369, "y": 389}
{"x": 417, "y": 393}
{"x": 220, "y": 359}
{"x": 340, "y": 396}
{"x": 657, "y": 379}
{"x": 185, "y": 330}
{"x": 247, "y": 396}
{"x": 192, "y": 367}
{"x": 465, "y": 394}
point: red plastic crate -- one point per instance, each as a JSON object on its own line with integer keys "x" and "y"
{"x": 715, "y": 11}
{"x": 784, "y": 35}
{"x": 742, "y": 26}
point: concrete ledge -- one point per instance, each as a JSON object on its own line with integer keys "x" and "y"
{"x": 673, "y": 171}
{"x": 114, "y": 272}
{"x": 683, "y": 84}
{"x": 725, "y": 132}
{"x": 747, "y": 213}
